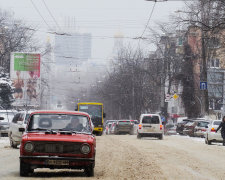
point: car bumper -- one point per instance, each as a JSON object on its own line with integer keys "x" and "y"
{"x": 147, "y": 134}
{"x": 215, "y": 137}
{"x": 43, "y": 162}
{"x": 4, "y": 132}
{"x": 98, "y": 129}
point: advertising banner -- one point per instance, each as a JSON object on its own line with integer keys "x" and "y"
{"x": 25, "y": 74}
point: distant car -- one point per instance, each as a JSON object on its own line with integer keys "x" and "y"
{"x": 108, "y": 121}
{"x": 107, "y": 128}
{"x": 4, "y": 128}
{"x": 58, "y": 140}
{"x": 124, "y": 127}
{"x": 150, "y": 125}
{"x": 211, "y": 135}
{"x": 19, "y": 121}
{"x": 7, "y": 116}
{"x": 189, "y": 128}
{"x": 180, "y": 125}
{"x": 201, "y": 128}
{"x": 135, "y": 122}
{"x": 170, "y": 129}
{"x": 112, "y": 128}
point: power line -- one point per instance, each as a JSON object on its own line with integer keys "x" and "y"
{"x": 39, "y": 13}
{"x": 51, "y": 14}
{"x": 148, "y": 20}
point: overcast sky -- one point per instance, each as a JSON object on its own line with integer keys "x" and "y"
{"x": 102, "y": 18}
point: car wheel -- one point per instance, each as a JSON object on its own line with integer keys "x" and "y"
{"x": 25, "y": 169}
{"x": 207, "y": 141}
{"x": 160, "y": 136}
{"x": 12, "y": 144}
{"x": 89, "y": 171}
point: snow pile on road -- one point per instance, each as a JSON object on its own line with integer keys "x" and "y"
{"x": 4, "y": 141}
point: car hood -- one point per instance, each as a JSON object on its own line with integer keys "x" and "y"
{"x": 57, "y": 137}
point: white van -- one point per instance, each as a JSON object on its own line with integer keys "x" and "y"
{"x": 150, "y": 126}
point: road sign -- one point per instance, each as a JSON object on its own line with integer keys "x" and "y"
{"x": 168, "y": 98}
{"x": 203, "y": 85}
{"x": 175, "y": 96}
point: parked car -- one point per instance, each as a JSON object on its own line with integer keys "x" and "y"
{"x": 170, "y": 129}
{"x": 106, "y": 122}
{"x": 112, "y": 128}
{"x": 107, "y": 128}
{"x": 19, "y": 121}
{"x": 56, "y": 140}
{"x": 211, "y": 135}
{"x": 201, "y": 128}
{"x": 180, "y": 125}
{"x": 4, "y": 128}
{"x": 124, "y": 127}
{"x": 135, "y": 122}
{"x": 189, "y": 128}
{"x": 150, "y": 125}
{"x": 7, "y": 116}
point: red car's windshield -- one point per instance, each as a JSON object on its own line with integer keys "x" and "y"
{"x": 59, "y": 122}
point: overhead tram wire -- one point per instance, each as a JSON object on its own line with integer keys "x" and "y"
{"x": 141, "y": 37}
{"x": 35, "y": 7}
{"x": 51, "y": 14}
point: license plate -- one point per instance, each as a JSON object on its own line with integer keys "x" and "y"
{"x": 148, "y": 129}
{"x": 57, "y": 162}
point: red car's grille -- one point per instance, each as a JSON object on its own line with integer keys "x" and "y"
{"x": 57, "y": 147}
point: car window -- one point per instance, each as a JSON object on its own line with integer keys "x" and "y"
{"x": 124, "y": 122}
{"x": 190, "y": 123}
{"x": 26, "y": 118}
{"x": 16, "y": 117}
{"x": 216, "y": 122}
{"x": 150, "y": 120}
{"x": 203, "y": 124}
{"x": 65, "y": 122}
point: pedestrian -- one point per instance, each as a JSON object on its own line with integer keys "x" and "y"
{"x": 222, "y": 126}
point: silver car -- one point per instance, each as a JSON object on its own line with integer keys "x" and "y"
{"x": 19, "y": 121}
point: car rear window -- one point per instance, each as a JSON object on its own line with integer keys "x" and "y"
{"x": 203, "y": 124}
{"x": 124, "y": 122}
{"x": 216, "y": 122}
{"x": 150, "y": 120}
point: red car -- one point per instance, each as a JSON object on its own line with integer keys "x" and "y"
{"x": 58, "y": 140}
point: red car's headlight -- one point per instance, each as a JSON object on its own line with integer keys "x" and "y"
{"x": 85, "y": 148}
{"x": 29, "y": 147}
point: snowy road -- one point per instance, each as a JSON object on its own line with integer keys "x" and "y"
{"x": 126, "y": 157}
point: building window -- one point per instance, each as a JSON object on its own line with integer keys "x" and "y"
{"x": 215, "y": 63}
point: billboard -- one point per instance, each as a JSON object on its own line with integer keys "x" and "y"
{"x": 25, "y": 75}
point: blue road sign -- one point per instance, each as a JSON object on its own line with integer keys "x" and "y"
{"x": 203, "y": 85}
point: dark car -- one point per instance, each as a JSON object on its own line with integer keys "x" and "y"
{"x": 58, "y": 140}
{"x": 180, "y": 125}
{"x": 124, "y": 127}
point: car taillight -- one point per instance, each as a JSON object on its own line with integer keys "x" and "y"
{"x": 203, "y": 129}
{"x": 140, "y": 126}
{"x": 161, "y": 126}
{"x": 213, "y": 130}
